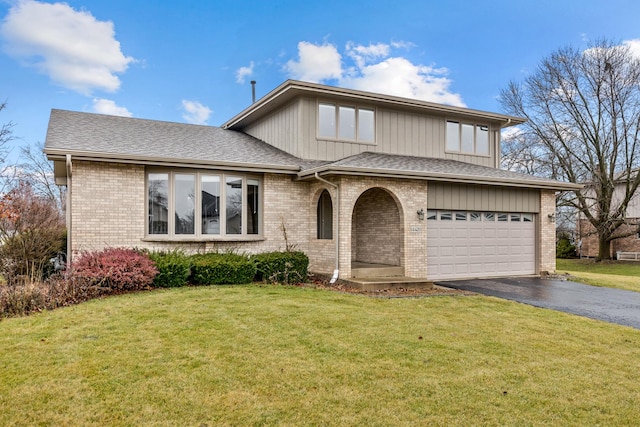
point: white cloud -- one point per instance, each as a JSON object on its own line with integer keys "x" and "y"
{"x": 107, "y": 106}
{"x": 72, "y": 47}
{"x": 316, "y": 63}
{"x": 634, "y": 46}
{"x": 195, "y": 113}
{"x": 244, "y": 72}
{"x": 373, "y": 68}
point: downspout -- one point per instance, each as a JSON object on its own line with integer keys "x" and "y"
{"x": 499, "y": 143}
{"x": 68, "y": 213}
{"x": 336, "y": 272}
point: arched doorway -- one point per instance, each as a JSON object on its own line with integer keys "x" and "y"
{"x": 376, "y": 229}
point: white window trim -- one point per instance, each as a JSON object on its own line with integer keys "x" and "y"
{"x": 475, "y": 125}
{"x": 171, "y": 236}
{"x": 336, "y": 137}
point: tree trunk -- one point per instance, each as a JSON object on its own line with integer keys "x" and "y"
{"x": 604, "y": 248}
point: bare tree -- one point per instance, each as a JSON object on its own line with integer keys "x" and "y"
{"x": 583, "y": 112}
{"x": 37, "y": 171}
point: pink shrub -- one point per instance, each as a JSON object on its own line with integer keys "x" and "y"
{"x": 118, "y": 269}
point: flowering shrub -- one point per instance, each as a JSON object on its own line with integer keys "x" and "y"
{"x": 118, "y": 269}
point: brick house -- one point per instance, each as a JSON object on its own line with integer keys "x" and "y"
{"x": 358, "y": 180}
{"x": 588, "y": 238}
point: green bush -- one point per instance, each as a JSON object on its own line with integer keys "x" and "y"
{"x": 219, "y": 269}
{"x": 174, "y": 268}
{"x": 281, "y": 267}
{"x": 564, "y": 248}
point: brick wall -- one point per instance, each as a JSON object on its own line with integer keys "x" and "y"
{"x": 376, "y": 230}
{"x": 108, "y": 210}
{"x": 547, "y": 258}
{"x": 623, "y": 244}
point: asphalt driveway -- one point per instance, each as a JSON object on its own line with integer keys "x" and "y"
{"x": 610, "y": 305}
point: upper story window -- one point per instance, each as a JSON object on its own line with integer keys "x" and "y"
{"x": 346, "y": 122}
{"x": 203, "y": 204}
{"x": 467, "y": 138}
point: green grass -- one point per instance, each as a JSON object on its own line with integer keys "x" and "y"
{"x": 270, "y": 355}
{"x": 611, "y": 274}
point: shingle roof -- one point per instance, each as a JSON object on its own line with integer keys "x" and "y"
{"x": 424, "y": 167}
{"x": 104, "y": 136}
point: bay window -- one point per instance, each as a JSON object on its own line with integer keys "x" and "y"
{"x": 203, "y": 205}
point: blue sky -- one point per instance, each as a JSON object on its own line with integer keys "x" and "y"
{"x": 191, "y": 61}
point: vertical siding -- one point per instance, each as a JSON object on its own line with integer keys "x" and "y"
{"x": 280, "y": 129}
{"x": 443, "y": 195}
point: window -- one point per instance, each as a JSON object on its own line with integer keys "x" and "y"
{"x": 325, "y": 216}
{"x": 475, "y": 216}
{"x": 445, "y": 216}
{"x": 502, "y": 217}
{"x": 527, "y": 217}
{"x": 346, "y": 122}
{"x": 432, "y": 215}
{"x": 489, "y": 216}
{"x": 461, "y": 216}
{"x": 198, "y": 204}
{"x": 515, "y": 217}
{"x": 467, "y": 138}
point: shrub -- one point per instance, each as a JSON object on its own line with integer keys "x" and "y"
{"x": 32, "y": 232}
{"x": 174, "y": 268}
{"x": 564, "y": 248}
{"x": 218, "y": 269}
{"x": 117, "y": 269}
{"x": 281, "y": 267}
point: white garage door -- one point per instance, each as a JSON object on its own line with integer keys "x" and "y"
{"x": 480, "y": 244}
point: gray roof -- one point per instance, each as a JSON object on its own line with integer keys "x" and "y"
{"x": 380, "y": 164}
{"x": 124, "y": 138}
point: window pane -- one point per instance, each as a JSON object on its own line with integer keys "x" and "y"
{"x": 325, "y": 216}
{"x": 489, "y": 216}
{"x": 233, "y": 200}
{"x": 432, "y": 215}
{"x": 503, "y": 217}
{"x": 475, "y": 216}
{"x": 366, "y": 125}
{"x": 445, "y": 216}
{"x": 482, "y": 140}
{"x": 347, "y": 123}
{"x": 253, "y": 206}
{"x": 184, "y": 194}
{"x": 453, "y": 136}
{"x": 210, "y": 193}
{"x": 461, "y": 216}
{"x": 515, "y": 217}
{"x": 467, "y": 138}
{"x": 327, "y": 120}
{"x": 527, "y": 217}
{"x": 158, "y": 203}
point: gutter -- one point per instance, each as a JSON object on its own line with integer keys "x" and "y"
{"x": 336, "y": 272}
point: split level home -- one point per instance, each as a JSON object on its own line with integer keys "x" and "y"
{"x": 353, "y": 179}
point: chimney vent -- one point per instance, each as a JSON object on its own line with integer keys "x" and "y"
{"x": 253, "y": 91}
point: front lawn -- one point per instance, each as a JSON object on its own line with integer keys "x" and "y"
{"x": 611, "y": 274}
{"x": 273, "y": 355}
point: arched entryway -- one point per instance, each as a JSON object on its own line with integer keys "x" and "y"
{"x": 376, "y": 229}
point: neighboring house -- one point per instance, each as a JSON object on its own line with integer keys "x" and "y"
{"x": 588, "y": 238}
{"x": 351, "y": 178}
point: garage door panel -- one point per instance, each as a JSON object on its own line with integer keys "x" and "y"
{"x": 463, "y": 249}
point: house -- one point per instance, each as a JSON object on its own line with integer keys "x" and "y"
{"x": 630, "y": 231}
{"x": 354, "y": 179}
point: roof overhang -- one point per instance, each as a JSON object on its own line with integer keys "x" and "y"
{"x": 292, "y": 89}
{"x": 60, "y": 155}
{"x": 435, "y": 176}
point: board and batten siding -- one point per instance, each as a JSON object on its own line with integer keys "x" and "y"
{"x": 444, "y": 195}
{"x": 281, "y": 129}
{"x": 293, "y": 128}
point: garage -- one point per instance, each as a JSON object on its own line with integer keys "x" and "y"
{"x": 470, "y": 244}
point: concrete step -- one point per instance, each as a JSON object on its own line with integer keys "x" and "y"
{"x": 384, "y": 283}
{"x": 373, "y": 271}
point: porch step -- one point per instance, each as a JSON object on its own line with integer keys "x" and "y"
{"x": 364, "y": 270}
{"x": 385, "y": 283}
